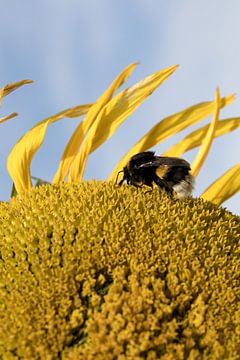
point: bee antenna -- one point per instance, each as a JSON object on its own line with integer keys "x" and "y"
{"x": 117, "y": 177}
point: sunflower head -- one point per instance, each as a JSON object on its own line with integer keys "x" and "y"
{"x": 94, "y": 271}
{"x": 91, "y": 270}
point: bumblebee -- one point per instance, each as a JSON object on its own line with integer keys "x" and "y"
{"x": 169, "y": 173}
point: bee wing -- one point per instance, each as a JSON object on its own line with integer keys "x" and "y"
{"x": 166, "y": 161}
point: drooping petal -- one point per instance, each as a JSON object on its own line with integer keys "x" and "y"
{"x": 80, "y": 132}
{"x": 5, "y": 118}
{"x": 224, "y": 187}
{"x": 7, "y": 89}
{"x": 196, "y": 137}
{"x": 112, "y": 115}
{"x": 19, "y": 160}
{"x": 170, "y": 126}
{"x": 207, "y": 141}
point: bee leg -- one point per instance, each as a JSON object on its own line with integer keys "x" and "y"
{"x": 151, "y": 186}
{"x": 120, "y": 182}
{"x": 134, "y": 184}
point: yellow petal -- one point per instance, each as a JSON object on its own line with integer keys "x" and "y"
{"x": 7, "y": 89}
{"x": 170, "y": 126}
{"x": 80, "y": 132}
{"x": 224, "y": 187}
{"x": 207, "y": 141}
{"x": 19, "y": 160}
{"x": 125, "y": 104}
{"x": 196, "y": 137}
{"x": 1, "y": 95}
{"x": 112, "y": 115}
{"x": 10, "y": 87}
{"x": 8, "y": 117}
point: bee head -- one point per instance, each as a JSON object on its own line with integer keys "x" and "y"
{"x": 126, "y": 175}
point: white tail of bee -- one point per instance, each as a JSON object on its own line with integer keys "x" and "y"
{"x": 185, "y": 187}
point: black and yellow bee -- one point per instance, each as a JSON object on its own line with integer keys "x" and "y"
{"x": 169, "y": 173}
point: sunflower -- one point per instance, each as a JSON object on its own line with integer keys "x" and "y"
{"x": 91, "y": 270}
{"x": 102, "y": 119}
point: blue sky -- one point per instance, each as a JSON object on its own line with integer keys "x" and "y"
{"x": 73, "y": 49}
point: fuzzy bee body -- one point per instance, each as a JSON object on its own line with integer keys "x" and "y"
{"x": 169, "y": 173}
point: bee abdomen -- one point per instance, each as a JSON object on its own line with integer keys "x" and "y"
{"x": 185, "y": 187}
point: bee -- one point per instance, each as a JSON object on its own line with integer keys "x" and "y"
{"x": 169, "y": 173}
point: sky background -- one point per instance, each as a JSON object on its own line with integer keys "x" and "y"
{"x": 73, "y": 49}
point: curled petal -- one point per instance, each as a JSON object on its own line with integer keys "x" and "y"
{"x": 170, "y": 126}
{"x": 196, "y": 137}
{"x": 208, "y": 139}
{"x": 113, "y": 114}
{"x": 76, "y": 140}
{"x": 19, "y": 159}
